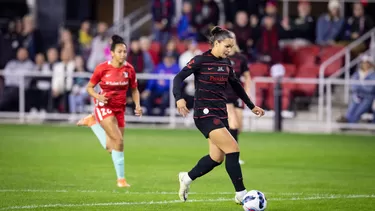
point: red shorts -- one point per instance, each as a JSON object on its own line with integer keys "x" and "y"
{"x": 102, "y": 111}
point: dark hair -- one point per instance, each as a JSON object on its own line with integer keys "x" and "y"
{"x": 116, "y": 40}
{"x": 219, "y": 34}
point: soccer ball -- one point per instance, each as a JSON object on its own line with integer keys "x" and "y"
{"x": 254, "y": 201}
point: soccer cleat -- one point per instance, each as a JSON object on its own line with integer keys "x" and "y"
{"x": 241, "y": 162}
{"x": 239, "y": 197}
{"x": 121, "y": 183}
{"x": 184, "y": 188}
{"x": 87, "y": 121}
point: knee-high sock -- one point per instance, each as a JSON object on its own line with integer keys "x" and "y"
{"x": 119, "y": 163}
{"x": 100, "y": 134}
{"x": 234, "y": 170}
{"x": 204, "y": 165}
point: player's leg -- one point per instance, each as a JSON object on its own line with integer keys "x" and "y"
{"x": 224, "y": 141}
{"x": 204, "y": 165}
{"x": 114, "y": 136}
{"x": 233, "y": 121}
{"x": 119, "y": 159}
{"x": 239, "y": 116}
{"x": 99, "y": 132}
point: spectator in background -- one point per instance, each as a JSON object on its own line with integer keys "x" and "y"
{"x": 62, "y": 81}
{"x": 40, "y": 88}
{"x": 98, "y": 46}
{"x": 22, "y": 64}
{"x": 243, "y": 32}
{"x": 184, "y": 59}
{"x": 271, "y": 10}
{"x": 358, "y": 25}
{"x": 78, "y": 95}
{"x": 68, "y": 42}
{"x": 185, "y": 27}
{"x": 160, "y": 88}
{"x": 268, "y": 45}
{"x": 52, "y": 59}
{"x": 302, "y": 28}
{"x": 85, "y": 37}
{"x": 330, "y": 26}
{"x": 163, "y": 13}
{"x": 205, "y": 16}
{"x": 145, "y": 43}
{"x": 32, "y": 38}
{"x": 362, "y": 95}
{"x": 10, "y": 42}
{"x": 232, "y": 7}
{"x": 170, "y": 49}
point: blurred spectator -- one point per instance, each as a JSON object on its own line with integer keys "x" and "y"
{"x": 170, "y": 49}
{"x": 184, "y": 59}
{"x": 40, "y": 89}
{"x": 22, "y": 64}
{"x": 185, "y": 27}
{"x": 268, "y": 45}
{"x": 358, "y": 25}
{"x": 330, "y": 26}
{"x": 243, "y": 32}
{"x": 271, "y": 10}
{"x": 145, "y": 43}
{"x": 362, "y": 95}
{"x": 78, "y": 95}
{"x": 141, "y": 63}
{"x": 205, "y": 16}
{"x": 159, "y": 89}
{"x": 62, "y": 81}
{"x": 85, "y": 37}
{"x": 163, "y": 13}
{"x": 52, "y": 59}
{"x": 67, "y": 42}
{"x": 98, "y": 46}
{"x": 232, "y": 7}
{"x": 302, "y": 29}
{"x": 32, "y": 38}
{"x": 10, "y": 42}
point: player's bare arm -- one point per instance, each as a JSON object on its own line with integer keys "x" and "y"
{"x": 136, "y": 98}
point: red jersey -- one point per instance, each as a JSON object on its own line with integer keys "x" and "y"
{"x": 114, "y": 82}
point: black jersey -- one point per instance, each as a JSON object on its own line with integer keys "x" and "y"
{"x": 212, "y": 76}
{"x": 239, "y": 64}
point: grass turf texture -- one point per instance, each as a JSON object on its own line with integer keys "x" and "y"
{"x": 65, "y": 168}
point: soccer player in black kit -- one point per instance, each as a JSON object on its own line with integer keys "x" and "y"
{"x": 213, "y": 71}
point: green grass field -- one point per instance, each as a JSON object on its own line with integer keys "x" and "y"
{"x": 65, "y": 168}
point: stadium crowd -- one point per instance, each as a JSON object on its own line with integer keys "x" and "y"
{"x": 262, "y": 35}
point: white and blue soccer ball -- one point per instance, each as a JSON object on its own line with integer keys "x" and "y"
{"x": 254, "y": 201}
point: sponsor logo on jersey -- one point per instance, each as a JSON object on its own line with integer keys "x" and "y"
{"x": 218, "y": 78}
{"x": 220, "y": 69}
{"x": 116, "y": 83}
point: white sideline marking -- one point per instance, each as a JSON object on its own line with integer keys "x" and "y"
{"x": 189, "y": 201}
{"x": 133, "y": 193}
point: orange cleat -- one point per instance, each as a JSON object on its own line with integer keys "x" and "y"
{"x": 87, "y": 121}
{"x": 121, "y": 183}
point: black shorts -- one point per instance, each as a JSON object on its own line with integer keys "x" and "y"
{"x": 237, "y": 102}
{"x": 206, "y": 125}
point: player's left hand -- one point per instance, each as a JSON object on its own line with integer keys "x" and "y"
{"x": 258, "y": 111}
{"x": 138, "y": 111}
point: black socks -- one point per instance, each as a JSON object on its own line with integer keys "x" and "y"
{"x": 234, "y": 170}
{"x": 204, "y": 165}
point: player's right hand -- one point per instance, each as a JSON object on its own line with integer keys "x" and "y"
{"x": 102, "y": 98}
{"x": 181, "y": 107}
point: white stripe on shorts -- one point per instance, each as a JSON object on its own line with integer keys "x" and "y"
{"x": 99, "y": 114}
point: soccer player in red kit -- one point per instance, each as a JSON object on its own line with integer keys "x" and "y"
{"x": 114, "y": 78}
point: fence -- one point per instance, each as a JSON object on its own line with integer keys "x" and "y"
{"x": 173, "y": 119}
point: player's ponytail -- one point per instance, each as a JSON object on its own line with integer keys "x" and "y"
{"x": 116, "y": 40}
{"x": 219, "y": 34}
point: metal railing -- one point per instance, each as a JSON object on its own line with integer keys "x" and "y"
{"x": 347, "y": 65}
{"x": 172, "y": 119}
{"x": 132, "y": 22}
